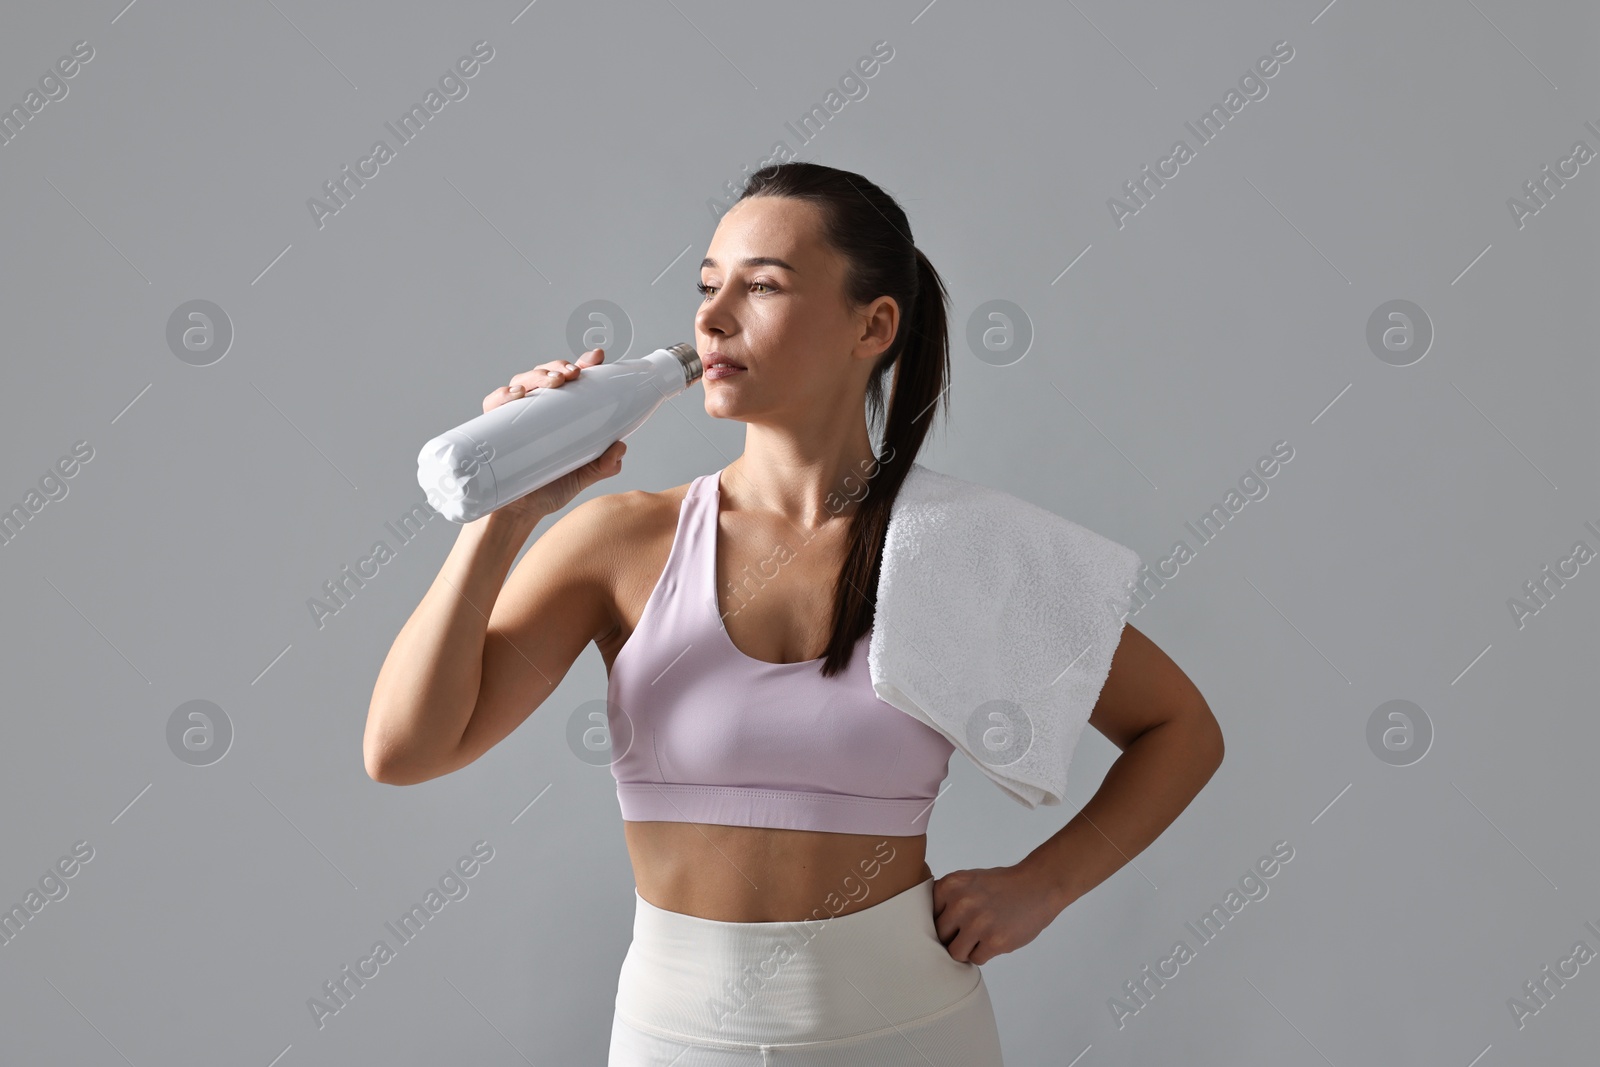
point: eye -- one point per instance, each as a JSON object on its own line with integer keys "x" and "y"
{"x": 707, "y": 290}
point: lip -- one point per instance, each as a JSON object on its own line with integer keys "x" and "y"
{"x": 717, "y": 359}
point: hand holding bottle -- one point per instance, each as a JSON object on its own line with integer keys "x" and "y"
{"x": 539, "y": 443}
{"x": 550, "y": 375}
{"x": 558, "y": 494}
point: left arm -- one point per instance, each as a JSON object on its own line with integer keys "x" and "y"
{"x": 1171, "y": 746}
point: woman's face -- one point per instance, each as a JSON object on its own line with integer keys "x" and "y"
{"x": 774, "y": 301}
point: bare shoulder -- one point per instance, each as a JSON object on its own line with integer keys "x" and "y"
{"x": 628, "y": 537}
{"x": 618, "y": 523}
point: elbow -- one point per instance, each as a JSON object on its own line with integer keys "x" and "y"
{"x": 388, "y": 765}
{"x": 387, "y": 762}
{"x": 392, "y": 754}
{"x": 390, "y": 771}
{"x": 379, "y": 765}
{"x": 1211, "y": 732}
{"x": 1202, "y": 734}
{"x": 377, "y": 748}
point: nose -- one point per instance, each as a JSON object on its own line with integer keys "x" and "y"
{"x": 713, "y": 317}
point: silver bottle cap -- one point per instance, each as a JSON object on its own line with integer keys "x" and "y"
{"x": 692, "y": 368}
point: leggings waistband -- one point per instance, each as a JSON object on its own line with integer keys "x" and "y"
{"x": 813, "y": 980}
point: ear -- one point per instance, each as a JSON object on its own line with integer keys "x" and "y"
{"x": 879, "y": 322}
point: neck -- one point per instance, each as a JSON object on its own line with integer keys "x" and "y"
{"x": 808, "y": 483}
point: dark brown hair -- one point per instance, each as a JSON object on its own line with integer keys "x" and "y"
{"x": 865, "y": 225}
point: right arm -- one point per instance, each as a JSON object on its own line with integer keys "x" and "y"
{"x": 474, "y": 659}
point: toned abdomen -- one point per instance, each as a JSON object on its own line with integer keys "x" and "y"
{"x": 756, "y": 874}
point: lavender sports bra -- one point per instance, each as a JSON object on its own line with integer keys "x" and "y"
{"x": 701, "y": 732}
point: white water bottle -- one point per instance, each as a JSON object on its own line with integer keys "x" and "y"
{"x": 524, "y": 444}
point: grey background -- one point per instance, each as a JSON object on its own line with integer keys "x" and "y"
{"x": 1228, "y": 314}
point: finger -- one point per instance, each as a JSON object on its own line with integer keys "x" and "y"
{"x": 591, "y": 357}
{"x": 541, "y": 376}
{"x": 500, "y": 396}
{"x": 564, "y": 371}
{"x": 961, "y": 948}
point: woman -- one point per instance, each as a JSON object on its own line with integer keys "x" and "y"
{"x": 775, "y": 811}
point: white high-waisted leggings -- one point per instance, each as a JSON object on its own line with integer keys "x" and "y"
{"x": 873, "y": 988}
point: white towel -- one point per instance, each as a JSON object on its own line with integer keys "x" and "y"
{"x": 995, "y": 625}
